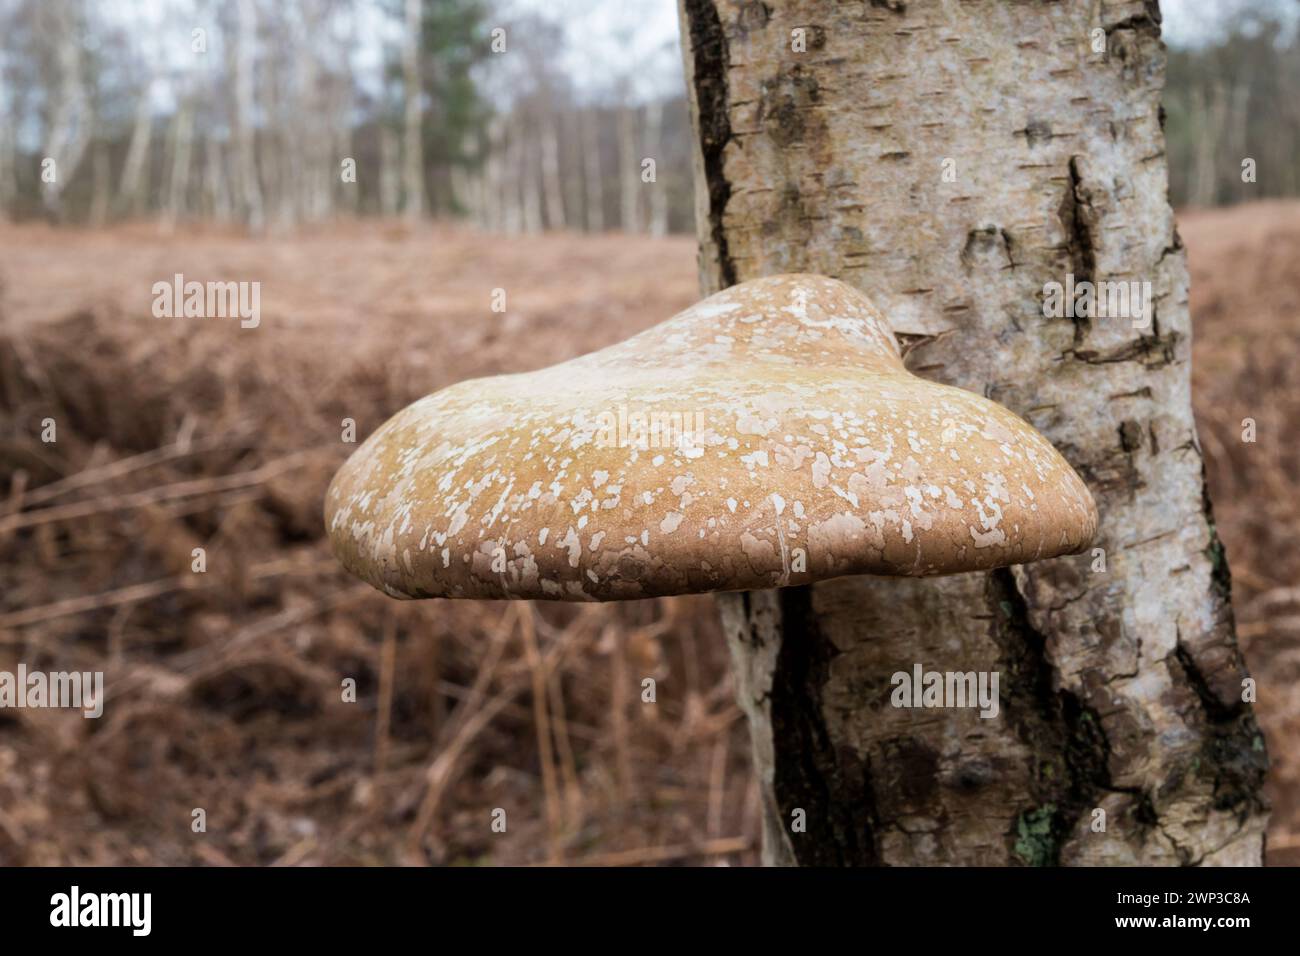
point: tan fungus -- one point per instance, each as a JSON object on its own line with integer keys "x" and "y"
{"x": 767, "y": 436}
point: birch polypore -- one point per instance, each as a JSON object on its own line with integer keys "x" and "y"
{"x": 766, "y": 436}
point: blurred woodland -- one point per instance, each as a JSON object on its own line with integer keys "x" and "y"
{"x": 247, "y": 111}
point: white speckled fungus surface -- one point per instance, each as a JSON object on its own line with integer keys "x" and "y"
{"x": 767, "y": 436}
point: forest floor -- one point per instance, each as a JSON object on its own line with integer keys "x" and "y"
{"x": 224, "y": 688}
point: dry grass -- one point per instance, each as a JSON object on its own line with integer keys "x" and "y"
{"x": 1245, "y": 265}
{"x": 225, "y": 687}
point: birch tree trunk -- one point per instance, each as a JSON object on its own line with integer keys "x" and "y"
{"x": 100, "y": 188}
{"x": 1214, "y": 115}
{"x": 412, "y": 147}
{"x": 70, "y": 125}
{"x": 8, "y": 168}
{"x": 1121, "y": 679}
{"x": 595, "y": 195}
{"x": 389, "y": 173}
{"x": 215, "y": 189}
{"x": 248, "y": 183}
{"x": 629, "y": 170}
{"x": 654, "y": 125}
{"x": 493, "y": 175}
{"x": 178, "y": 180}
{"x": 8, "y": 152}
{"x": 527, "y": 169}
{"x": 552, "y": 187}
{"x": 512, "y": 205}
{"x": 129, "y": 191}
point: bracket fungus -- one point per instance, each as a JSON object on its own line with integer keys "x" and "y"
{"x": 767, "y": 436}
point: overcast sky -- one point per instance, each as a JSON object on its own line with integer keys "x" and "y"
{"x": 633, "y": 41}
{"x": 599, "y": 33}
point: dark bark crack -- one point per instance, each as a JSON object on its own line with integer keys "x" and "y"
{"x": 710, "y": 56}
{"x": 831, "y": 784}
{"x": 1148, "y": 21}
{"x": 1079, "y": 219}
{"x": 1063, "y": 733}
{"x": 1152, "y": 351}
{"x": 1234, "y": 757}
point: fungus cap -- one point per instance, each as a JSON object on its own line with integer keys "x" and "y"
{"x": 767, "y": 436}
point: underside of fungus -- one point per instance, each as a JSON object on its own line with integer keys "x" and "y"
{"x": 767, "y": 436}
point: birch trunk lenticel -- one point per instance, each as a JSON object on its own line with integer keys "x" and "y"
{"x": 951, "y": 160}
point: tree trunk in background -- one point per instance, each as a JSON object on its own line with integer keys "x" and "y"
{"x": 493, "y": 177}
{"x": 1214, "y": 115}
{"x": 654, "y": 128}
{"x": 8, "y": 174}
{"x": 573, "y": 184}
{"x": 629, "y": 171}
{"x": 69, "y": 128}
{"x": 412, "y": 148}
{"x": 129, "y": 190}
{"x": 1121, "y": 689}
{"x": 526, "y": 169}
{"x": 349, "y": 194}
{"x": 248, "y": 186}
{"x": 389, "y": 173}
{"x": 8, "y": 152}
{"x": 595, "y": 199}
{"x": 552, "y": 187}
{"x": 216, "y": 192}
{"x": 512, "y": 215}
{"x": 178, "y": 180}
{"x": 100, "y": 188}
{"x": 308, "y": 124}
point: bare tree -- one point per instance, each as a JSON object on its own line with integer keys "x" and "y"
{"x": 100, "y": 171}
{"x": 130, "y": 192}
{"x": 629, "y": 169}
{"x": 390, "y": 187}
{"x": 512, "y": 212}
{"x": 551, "y": 185}
{"x": 180, "y": 147}
{"x": 412, "y": 149}
{"x": 1215, "y": 115}
{"x": 8, "y": 149}
{"x": 69, "y": 125}
{"x": 493, "y": 175}
{"x": 654, "y": 128}
{"x": 216, "y": 191}
{"x": 1123, "y": 736}
{"x": 595, "y": 196}
{"x": 528, "y": 171}
{"x": 248, "y": 186}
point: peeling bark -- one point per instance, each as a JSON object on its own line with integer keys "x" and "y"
{"x": 1120, "y": 688}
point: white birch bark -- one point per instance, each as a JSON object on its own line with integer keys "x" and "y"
{"x": 69, "y": 128}
{"x": 1121, "y": 684}
{"x": 130, "y": 186}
